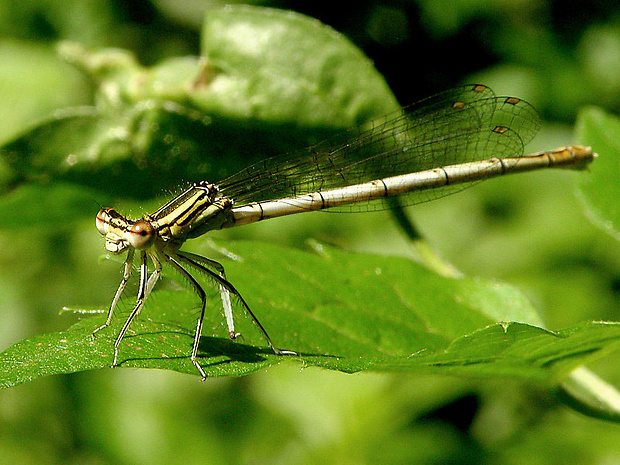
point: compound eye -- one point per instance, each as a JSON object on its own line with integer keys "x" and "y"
{"x": 141, "y": 234}
{"x": 103, "y": 221}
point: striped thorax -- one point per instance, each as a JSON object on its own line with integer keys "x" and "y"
{"x": 199, "y": 209}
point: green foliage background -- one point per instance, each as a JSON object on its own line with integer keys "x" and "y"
{"x": 528, "y": 231}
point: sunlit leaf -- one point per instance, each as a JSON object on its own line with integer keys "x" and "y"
{"x": 601, "y": 189}
{"x": 337, "y": 310}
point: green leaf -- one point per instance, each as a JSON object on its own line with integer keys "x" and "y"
{"x": 87, "y": 148}
{"x": 281, "y": 66}
{"x": 189, "y": 118}
{"x": 601, "y": 189}
{"x": 337, "y": 310}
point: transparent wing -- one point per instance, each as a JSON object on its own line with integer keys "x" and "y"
{"x": 461, "y": 125}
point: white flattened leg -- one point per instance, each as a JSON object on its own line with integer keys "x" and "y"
{"x": 127, "y": 269}
{"x": 202, "y": 264}
{"x": 147, "y": 283}
{"x": 174, "y": 260}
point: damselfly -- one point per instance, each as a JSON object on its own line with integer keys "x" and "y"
{"x": 432, "y": 148}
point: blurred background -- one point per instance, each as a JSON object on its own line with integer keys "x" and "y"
{"x": 529, "y": 231}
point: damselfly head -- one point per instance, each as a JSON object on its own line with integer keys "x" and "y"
{"x": 111, "y": 225}
{"x": 120, "y": 232}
